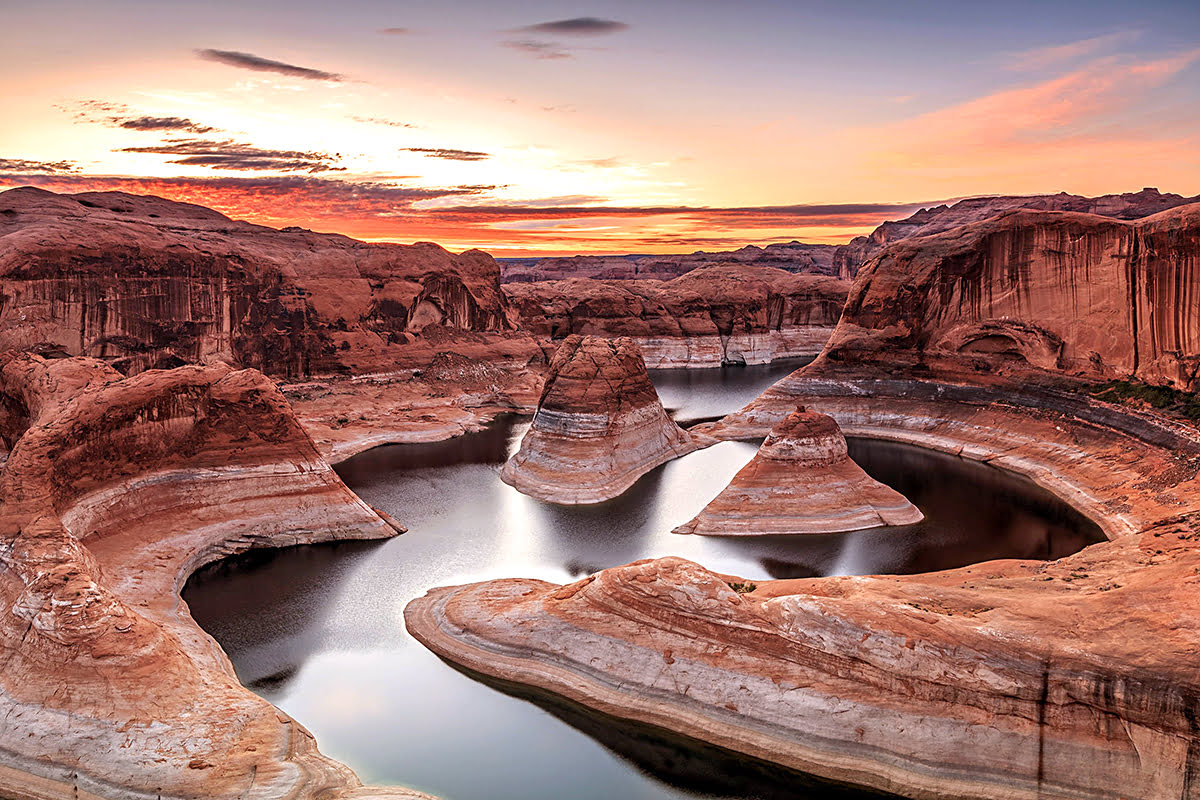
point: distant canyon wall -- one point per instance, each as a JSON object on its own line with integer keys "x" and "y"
{"x": 713, "y": 315}
{"x": 143, "y": 282}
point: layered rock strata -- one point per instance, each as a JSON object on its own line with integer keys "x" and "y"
{"x": 142, "y": 282}
{"x": 1010, "y": 679}
{"x": 816, "y": 259}
{"x": 848, "y": 258}
{"x": 115, "y": 490}
{"x": 599, "y": 426}
{"x": 711, "y": 316}
{"x": 1033, "y": 294}
{"x": 801, "y": 481}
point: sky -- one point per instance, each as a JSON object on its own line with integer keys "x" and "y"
{"x": 601, "y": 126}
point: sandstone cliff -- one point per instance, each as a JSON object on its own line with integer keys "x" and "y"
{"x": 142, "y": 282}
{"x": 1035, "y": 292}
{"x": 713, "y": 315}
{"x": 115, "y": 490}
{"x": 814, "y": 259}
{"x": 848, "y": 258}
{"x": 801, "y": 481}
{"x": 599, "y": 426}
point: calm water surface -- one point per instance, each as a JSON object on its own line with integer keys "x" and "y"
{"x": 319, "y": 630}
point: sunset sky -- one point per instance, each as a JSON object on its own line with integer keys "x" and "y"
{"x": 600, "y": 126}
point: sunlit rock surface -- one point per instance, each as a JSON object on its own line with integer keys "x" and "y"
{"x": 802, "y": 481}
{"x": 599, "y": 426}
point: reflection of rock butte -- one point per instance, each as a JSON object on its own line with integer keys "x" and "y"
{"x": 802, "y": 481}
{"x": 114, "y": 492}
{"x": 599, "y": 426}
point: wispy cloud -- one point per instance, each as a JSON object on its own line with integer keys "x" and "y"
{"x": 448, "y": 153}
{"x": 162, "y": 124}
{"x": 542, "y": 50}
{"x": 228, "y": 154}
{"x": 391, "y": 123}
{"x": 395, "y": 31}
{"x": 250, "y": 61}
{"x": 1042, "y": 57}
{"x": 577, "y": 26}
{"x": 44, "y": 167}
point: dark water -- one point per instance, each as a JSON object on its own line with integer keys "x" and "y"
{"x": 318, "y": 630}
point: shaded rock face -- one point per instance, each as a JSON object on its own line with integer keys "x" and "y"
{"x": 599, "y": 426}
{"x": 1035, "y": 292}
{"x": 802, "y": 481}
{"x": 816, "y": 259}
{"x": 144, "y": 282}
{"x": 714, "y": 315}
{"x": 848, "y": 258}
{"x": 115, "y": 490}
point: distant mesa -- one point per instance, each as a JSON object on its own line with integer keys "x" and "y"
{"x": 802, "y": 481}
{"x": 599, "y": 426}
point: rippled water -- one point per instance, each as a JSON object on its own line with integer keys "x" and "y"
{"x": 318, "y": 630}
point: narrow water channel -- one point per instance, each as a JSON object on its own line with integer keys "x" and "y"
{"x": 318, "y": 630}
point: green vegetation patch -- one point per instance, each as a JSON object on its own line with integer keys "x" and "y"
{"x": 1163, "y": 398}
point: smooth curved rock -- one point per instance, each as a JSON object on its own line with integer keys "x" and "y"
{"x": 599, "y": 426}
{"x": 115, "y": 491}
{"x": 801, "y": 481}
{"x": 1010, "y": 680}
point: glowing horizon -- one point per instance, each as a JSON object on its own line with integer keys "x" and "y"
{"x": 624, "y": 127}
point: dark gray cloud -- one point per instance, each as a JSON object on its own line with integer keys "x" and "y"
{"x": 227, "y": 154}
{"x": 161, "y": 124}
{"x": 396, "y": 31}
{"x": 447, "y": 153}
{"x": 542, "y": 50}
{"x": 250, "y": 61}
{"x": 391, "y": 123}
{"x": 577, "y": 26}
{"x": 39, "y": 167}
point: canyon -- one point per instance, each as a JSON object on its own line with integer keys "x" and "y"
{"x": 174, "y": 386}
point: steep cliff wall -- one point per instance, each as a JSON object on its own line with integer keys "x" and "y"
{"x": 1031, "y": 291}
{"x": 848, "y": 258}
{"x": 723, "y": 313}
{"x": 142, "y": 282}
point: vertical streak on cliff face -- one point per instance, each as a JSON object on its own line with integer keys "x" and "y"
{"x": 1041, "y": 765}
{"x": 1131, "y": 273}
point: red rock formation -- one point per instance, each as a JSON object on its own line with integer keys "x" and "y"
{"x": 115, "y": 490}
{"x": 802, "y": 481}
{"x": 1035, "y": 292}
{"x": 141, "y": 282}
{"x": 850, "y": 257}
{"x": 599, "y": 426}
{"x": 1013, "y": 680}
{"x": 713, "y": 315}
{"x": 816, "y": 259}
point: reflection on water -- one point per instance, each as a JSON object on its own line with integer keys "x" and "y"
{"x": 692, "y": 395}
{"x": 318, "y": 630}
